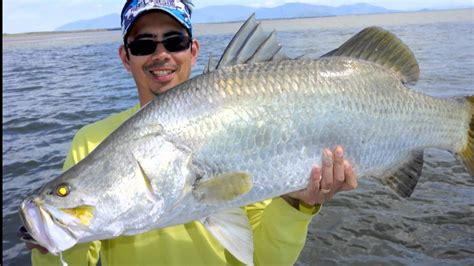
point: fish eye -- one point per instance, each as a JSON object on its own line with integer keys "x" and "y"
{"x": 63, "y": 190}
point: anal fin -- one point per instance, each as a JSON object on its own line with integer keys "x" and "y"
{"x": 403, "y": 180}
{"x": 466, "y": 154}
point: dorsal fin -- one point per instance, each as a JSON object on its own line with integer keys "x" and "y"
{"x": 267, "y": 49}
{"x": 384, "y": 48}
{"x": 250, "y": 44}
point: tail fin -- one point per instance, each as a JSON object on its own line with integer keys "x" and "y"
{"x": 467, "y": 152}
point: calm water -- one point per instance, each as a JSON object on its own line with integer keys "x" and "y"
{"x": 52, "y": 87}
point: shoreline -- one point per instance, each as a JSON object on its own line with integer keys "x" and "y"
{"x": 357, "y": 21}
{"x": 200, "y": 26}
{"x": 45, "y": 39}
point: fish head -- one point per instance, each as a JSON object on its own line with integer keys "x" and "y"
{"x": 57, "y": 216}
{"x": 103, "y": 197}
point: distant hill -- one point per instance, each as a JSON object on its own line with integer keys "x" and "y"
{"x": 106, "y": 22}
{"x": 295, "y": 10}
{"x": 213, "y": 14}
{"x": 228, "y": 13}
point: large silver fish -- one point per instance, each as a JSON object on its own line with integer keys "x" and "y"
{"x": 247, "y": 131}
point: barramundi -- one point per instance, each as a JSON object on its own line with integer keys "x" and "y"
{"x": 247, "y": 130}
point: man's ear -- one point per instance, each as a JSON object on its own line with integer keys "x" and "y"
{"x": 124, "y": 56}
{"x": 194, "y": 51}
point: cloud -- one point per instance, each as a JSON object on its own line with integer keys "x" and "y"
{"x": 37, "y": 15}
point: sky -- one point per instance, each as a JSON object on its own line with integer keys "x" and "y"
{"x": 40, "y": 15}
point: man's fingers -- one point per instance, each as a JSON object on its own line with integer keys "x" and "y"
{"x": 339, "y": 176}
{"x": 334, "y": 175}
{"x": 327, "y": 171}
{"x": 312, "y": 189}
{"x": 315, "y": 179}
{"x": 351, "y": 178}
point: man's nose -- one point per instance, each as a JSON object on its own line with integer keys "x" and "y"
{"x": 161, "y": 52}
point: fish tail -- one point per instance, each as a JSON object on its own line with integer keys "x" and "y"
{"x": 467, "y": 152}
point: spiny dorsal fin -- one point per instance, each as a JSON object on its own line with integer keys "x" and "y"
{"x": 250, "y": 44}
{"x": 384, "y": 48}
{"x": 267, "y": 49}
{"x": 403, "y": 181}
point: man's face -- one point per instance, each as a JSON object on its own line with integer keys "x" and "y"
{"x": 161, "y": 70}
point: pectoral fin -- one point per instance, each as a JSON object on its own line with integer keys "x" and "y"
{"x": 232, "y": 229}
{"x": 223, "y": 187}
{"x": 404, "y": 179}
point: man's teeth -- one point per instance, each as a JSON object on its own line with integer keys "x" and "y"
{"x": 162, "y": 72}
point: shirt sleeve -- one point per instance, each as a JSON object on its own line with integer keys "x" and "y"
{"x": 279, "y": 231}
{"x": 81, "y": 254}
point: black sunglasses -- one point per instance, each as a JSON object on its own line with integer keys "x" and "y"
{"x": 175, "y": 43}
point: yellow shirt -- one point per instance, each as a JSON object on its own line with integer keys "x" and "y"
{"x": 279, "y": 230}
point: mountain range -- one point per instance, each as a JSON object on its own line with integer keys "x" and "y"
{"x": 228, "y": 13}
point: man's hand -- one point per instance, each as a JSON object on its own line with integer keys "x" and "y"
{"x": 31, "y": 246}
{"x": 335, "y": 175}
{"x": 30, "y": 243}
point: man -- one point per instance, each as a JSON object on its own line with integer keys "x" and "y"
{"x": 159, "y": 52}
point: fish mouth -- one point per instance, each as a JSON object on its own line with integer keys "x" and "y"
{"x": 49, "y": 227}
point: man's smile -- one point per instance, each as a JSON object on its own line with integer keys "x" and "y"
{"x": 163, "y": 74}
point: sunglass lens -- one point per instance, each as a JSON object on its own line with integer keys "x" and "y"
{"x": 172, "y": 44}
{"x": 142, "y": 47}
{"x": 177, "y": 43}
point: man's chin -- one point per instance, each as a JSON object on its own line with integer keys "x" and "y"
{"x": 164, "y": 88}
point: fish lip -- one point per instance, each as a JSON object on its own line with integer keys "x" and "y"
{"x": 23, "y": 232}
{"x": 28, "y": 204}
{"x": 37, "y": 237}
